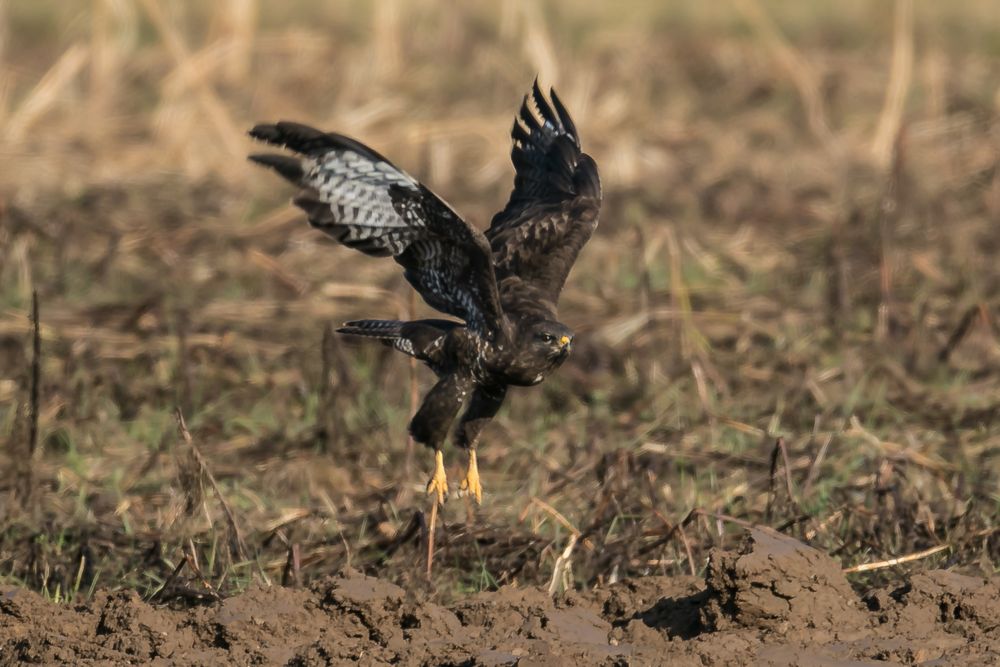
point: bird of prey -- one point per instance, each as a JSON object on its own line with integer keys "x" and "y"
{"x": 501, "y": 285}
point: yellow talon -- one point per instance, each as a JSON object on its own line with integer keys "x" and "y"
{"x": 471, "y": 483}
{"x": 439, "y": 481}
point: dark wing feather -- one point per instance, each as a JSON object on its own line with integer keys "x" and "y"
{"x": 554, "y": 206}
{"x": 361, "y": 199}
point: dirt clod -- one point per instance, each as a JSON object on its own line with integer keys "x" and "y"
{"x": 778, "y": 583}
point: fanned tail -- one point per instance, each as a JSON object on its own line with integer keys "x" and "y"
{"x": 384, "y": 329}
{"x": 421, "y": 339}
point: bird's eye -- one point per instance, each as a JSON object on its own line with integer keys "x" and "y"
{"x": 547, "y": 338}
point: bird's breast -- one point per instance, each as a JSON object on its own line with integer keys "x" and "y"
{"x": 507, "y": 364}
{"x": 524, "y": 373}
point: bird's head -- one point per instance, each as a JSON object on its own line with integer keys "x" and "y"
{"x": 547, "y": 339}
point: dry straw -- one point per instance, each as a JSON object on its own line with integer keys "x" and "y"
{"x": 742, "y": 281}
{"x": 900, "y": 75}
{"x": 227, "y": 130}
{"x": 46, "y": 93}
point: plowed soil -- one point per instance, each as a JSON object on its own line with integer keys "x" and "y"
{"x": 774, "y": 601}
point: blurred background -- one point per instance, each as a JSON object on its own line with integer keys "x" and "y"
{"x": 787, "y": 316}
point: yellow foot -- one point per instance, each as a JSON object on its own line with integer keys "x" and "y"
{"x": 470, "y": 484}
{"x": 439, "y": 481}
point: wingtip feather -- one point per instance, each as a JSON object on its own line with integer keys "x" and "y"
{"x": 564, "y": 117}
{"x": 266, "y": 132}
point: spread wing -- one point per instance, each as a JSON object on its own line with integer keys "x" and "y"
{"x": 361, "y": 199}
{"x": 553, "y": 208}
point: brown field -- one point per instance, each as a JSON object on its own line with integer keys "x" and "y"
{"x": 788, "y": 318}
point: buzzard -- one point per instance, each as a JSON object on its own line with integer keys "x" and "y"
{"x": 502, "y": 285}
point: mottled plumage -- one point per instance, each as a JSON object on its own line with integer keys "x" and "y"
{"x": 503, "y": 285}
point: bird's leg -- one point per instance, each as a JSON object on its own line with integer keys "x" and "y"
{"x": 482, "y": 408}
{"x": 439, "y": 480}
{"x": 431, "y": 423}
{"x": 471, "y": 484}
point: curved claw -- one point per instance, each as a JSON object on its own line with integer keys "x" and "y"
{"x": 471, "y": 484}
{"x": 438, "y": 483}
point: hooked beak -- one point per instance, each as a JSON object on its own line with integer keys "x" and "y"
{"x": 564, "y": 342}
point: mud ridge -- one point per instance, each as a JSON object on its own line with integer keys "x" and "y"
{"x": 774, "y": 601}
